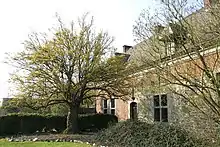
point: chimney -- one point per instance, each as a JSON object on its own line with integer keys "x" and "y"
{"x": 126, "y": 48}
{"x": 207, "y": 3}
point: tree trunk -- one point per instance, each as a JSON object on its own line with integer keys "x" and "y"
{"x": 72, "y": 120}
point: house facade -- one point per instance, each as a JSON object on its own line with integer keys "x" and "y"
{"x": 154, "y": 102}
{"x": 115, "y": 106}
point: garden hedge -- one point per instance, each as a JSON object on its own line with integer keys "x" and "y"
{"x": 30, "y": 123}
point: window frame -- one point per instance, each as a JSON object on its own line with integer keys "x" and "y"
{"x": 103, "y": 106}
{"x": 108, "y": 109}
{"x": 160, "y": 107}
{"x": 112, "y": 108}
{"x": 170, "y": 48}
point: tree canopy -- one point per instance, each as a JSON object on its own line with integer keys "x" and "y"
{"x": 68, "y": 67}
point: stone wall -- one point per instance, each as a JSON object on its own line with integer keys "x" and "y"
{"x": 180, "y": 113}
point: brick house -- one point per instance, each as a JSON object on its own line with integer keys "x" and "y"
{"x": 162, "y": 104}
{"x": 118, "y": 107}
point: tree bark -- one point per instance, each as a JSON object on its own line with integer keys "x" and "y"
{"x": 72, "y": 120}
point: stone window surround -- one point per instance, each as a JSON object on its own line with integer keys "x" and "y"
{"x": 160, "y": 107}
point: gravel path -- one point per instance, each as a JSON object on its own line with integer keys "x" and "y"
{"x": 55, "y": 137}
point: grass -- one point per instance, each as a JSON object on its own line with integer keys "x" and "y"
{"x": 42, "y": 144}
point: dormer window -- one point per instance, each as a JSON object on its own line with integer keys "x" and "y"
{"x": 170, "y": 48}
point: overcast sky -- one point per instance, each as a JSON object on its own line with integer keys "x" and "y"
{"x": 21, "y": 17}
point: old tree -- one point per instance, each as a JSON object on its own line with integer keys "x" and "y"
{"x": 69, "y": 67}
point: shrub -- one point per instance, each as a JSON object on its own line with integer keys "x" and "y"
{"x": 96, "y": 122}
{"x": 137, "y": 133}
{"x": 30, "y": 123}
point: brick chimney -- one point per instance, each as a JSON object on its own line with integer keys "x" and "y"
{"x": 207, "y": 3}
{"x": 126, "y": 48}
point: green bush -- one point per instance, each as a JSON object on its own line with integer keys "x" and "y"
{"x": 96, "y": 122}
{"x": 30, "y": 123}
{"x": 138, "y": 134}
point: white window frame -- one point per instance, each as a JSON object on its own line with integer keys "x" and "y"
{"x": 171, "y": 48}
{"x": 109, "y": 107}
{"x": 112, "y": 108}
{"x": 160, "y": 107}
{"x": 103, "y": 106}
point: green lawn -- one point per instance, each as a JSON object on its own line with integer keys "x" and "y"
{"x": 42, "y": 144}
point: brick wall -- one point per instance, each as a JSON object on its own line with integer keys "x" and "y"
{"x": 180, "y": 111}
{"x": 121, "y": 108}
{"x": 99, "y": 105}
{"x": 207, "y": 3}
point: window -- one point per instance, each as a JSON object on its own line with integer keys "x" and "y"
{"x": 160, "y": 108}
{"x": 105, "y": 107}
{"x": 112, "y": 104}
{"x": 170, "y": 47}
{"x": 109, "y": 106}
